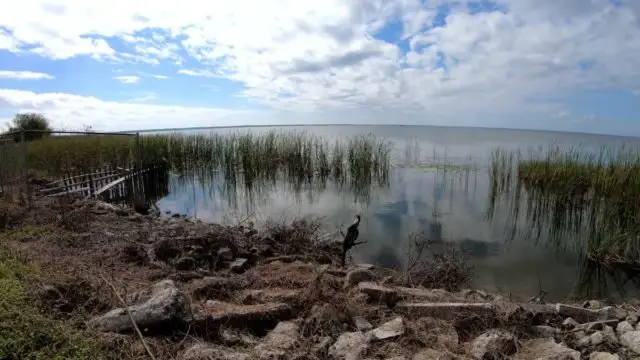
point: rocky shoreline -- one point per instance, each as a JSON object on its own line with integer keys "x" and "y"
{"x": 200, "y": 291}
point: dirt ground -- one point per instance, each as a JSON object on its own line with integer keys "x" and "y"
{"x": 89, "y": 257}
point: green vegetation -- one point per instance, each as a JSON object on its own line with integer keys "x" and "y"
{"x": 25, "y": 332}
{"x": 254, "y": 156}
{"x": 36, "y": 126}
{"x": 575, "y": 198}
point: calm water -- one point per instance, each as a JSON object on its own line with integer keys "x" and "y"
{"x": 448, "y": 203}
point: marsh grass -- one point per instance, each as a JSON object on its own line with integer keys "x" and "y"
{"x": 578, "y": 199}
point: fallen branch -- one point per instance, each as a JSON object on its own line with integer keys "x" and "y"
{"x": 135, "y": 326}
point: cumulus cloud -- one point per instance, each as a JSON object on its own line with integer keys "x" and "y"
{"x": 128, "y": 79}
{"x": 71, "y": 111}
{"x": 24, "y": 75}
{"x": 338, "y": 55}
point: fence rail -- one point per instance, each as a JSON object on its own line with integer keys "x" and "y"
{"x": 68, "y": 171}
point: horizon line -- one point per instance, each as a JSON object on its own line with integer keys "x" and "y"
{"x": 382, "y": 125}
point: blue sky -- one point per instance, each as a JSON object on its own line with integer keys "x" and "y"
{"x": 541, "y": 64}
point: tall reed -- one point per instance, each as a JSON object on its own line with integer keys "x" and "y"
{"x": 583, "y": 199}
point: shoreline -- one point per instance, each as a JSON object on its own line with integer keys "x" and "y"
{"x": 208, "y": 291}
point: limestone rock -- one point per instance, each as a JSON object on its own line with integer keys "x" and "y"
{"x": 609, "y": 335}
{"x": 362, "y": 324}
{"x": 631, "y": 340}
{"x": 278, "y": 342}
{"x": 239, "y": 265}
{"x": 632, "y": 319}
{"x": 165, "y": 307}
{"x": 426, "y": 295}
{"x": 431, "y": 354}
{"x": 493, "y": 344}
{"x": 597, "y": 325}
{"x": 378, "y": 293}
{"x": 597, "y": 338}
{"x": 215, "y": 313}
{"x": 349, "y": 346}
{"x": 204, "y": 351}
{"x": 446, "y": 311}
{"x": 581, "y": 314}
{"x": 624, "y": 327}
{"x": 388, "y": 330}
{"x": 603, "y": 356}
{"x": 358, "y": 275}
{"x": 271, "y": 295}
{"x": 546, "y": 349}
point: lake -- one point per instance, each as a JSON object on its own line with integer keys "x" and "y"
{"x": 439, "y": 184}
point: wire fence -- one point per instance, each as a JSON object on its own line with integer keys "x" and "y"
{"x": 30, "y": 157}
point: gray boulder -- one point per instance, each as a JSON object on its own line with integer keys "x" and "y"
{"x": 349, "y": 346}
{"x": 165, "y": 307}
{"x": 493, "y": 344}
{"x": 624, "y": 327}
{"x": 603, "y": 356}
{"x": 546, "y": 349}
{"x": 278, "y": 342}
{"x": 631, "y": 340}
{"x": 358, "y": 275}
{"x": 388, "y": 330}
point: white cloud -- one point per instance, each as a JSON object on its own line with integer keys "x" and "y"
{"x": 128, "y": 79}
{"x": 313, "y": 57}
{"x": 73, "y": 112}
{"x": 203, "y": 73}
{"x": 24, "y": 75}
{"x": 156, "y": 76}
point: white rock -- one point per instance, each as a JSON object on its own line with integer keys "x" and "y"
{"x": 278, "y": 341}
{"x": 431, "y": 354}
{"x": 603, "y": 356}
{"x": 362, "y": 324}
{"x": 239, "y": 265}
{"x": 446, "y": 311}
{"x": 388, "y": 330}
{"x": 597, "y": 338}
{"x": 632, "y": 319}
{"x": 165, "y": 306}
{"x": 624, "y": 327}
{"x": 349, "y": 346}
{"x": 631, "y": 340}
{"x": 546, "y": 349}
{"x": 609, "y": 335}
{"x": 492, "y": 344}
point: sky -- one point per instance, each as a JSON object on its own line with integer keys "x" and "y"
{"x": 568, "y": 65}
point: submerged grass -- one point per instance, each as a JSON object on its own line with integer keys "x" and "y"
{"x": 589, "y": 200}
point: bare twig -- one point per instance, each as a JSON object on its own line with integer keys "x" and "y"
{"x": 135, "y": 326}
